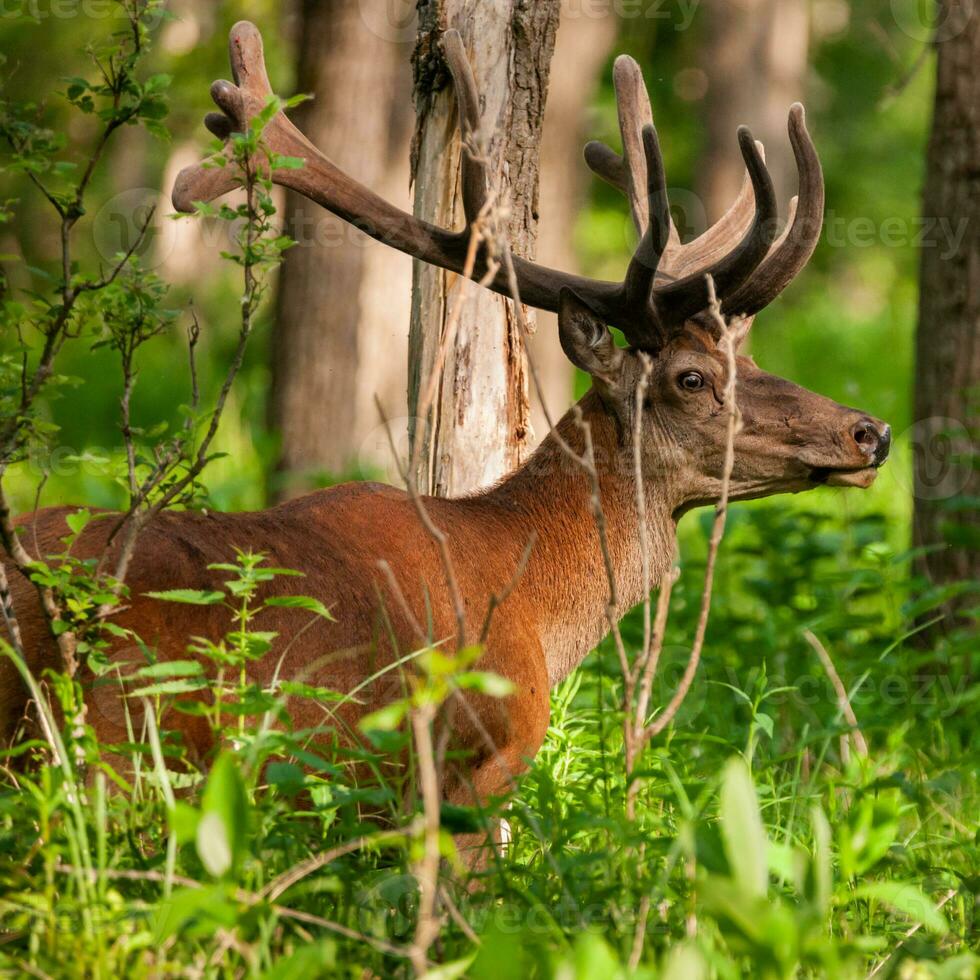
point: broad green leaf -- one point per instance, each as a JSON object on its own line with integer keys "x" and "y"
{"x": 193, "y": 597}
{"x": 906, "y": 898}
{"x": 486, "y": 683}
{"x": 311, "y": 960}
{"x": 222, "y": 830}
{"x": 300, "y": 602}
{"x": 169, "y": 668}
{"x": 684, "y": 962}
{"x": 385, "y": 719}
{"x": 78, "y": 520}
{"x": 179, "y": 685}
{"x": 742, "y": 830}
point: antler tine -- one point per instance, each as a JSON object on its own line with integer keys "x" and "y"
{"x": 323, "y": 182}
{"x": 638, "y": 285}
{"x": 794, "y": 248}
{"x": 628, "y": 173}
{"x": 247, "y": 59}
{"x": 719, "y": 237}
{"x": 635, "y": 114}
{"x": 679, "y": 301}
{"x": 474, "y": 169}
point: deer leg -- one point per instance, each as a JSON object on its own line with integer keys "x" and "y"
{"x": 496, "y": 773}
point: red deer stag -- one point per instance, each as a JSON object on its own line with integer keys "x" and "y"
{"x": 791, "y": 440}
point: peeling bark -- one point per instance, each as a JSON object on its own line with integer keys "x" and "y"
{"x": 480, "y": 428}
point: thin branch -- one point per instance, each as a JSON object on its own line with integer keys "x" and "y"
{"x": 843, "y": 702}
{"x": 727, "y": 344}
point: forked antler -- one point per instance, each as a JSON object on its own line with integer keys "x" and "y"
{"x": 665, "y": 283}
{"x": 788, "y": 254}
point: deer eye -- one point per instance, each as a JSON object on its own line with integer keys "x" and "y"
{"x": 691, "y": 381}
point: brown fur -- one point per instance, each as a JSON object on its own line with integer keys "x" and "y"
{"x": 554, "y": 616}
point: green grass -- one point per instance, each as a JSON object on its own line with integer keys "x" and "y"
{"x": 758, "y": 849}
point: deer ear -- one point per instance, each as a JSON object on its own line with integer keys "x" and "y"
{"x": 586, "y": 339}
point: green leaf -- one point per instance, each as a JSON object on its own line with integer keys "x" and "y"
{"x": 193, "y": 597}
{"x": 385, "y": 719}
{"x": 169, "y": 668}
{"x": 181, "y": 685}
{"x": 222, "y": 831}
{"x": 741, "y": 829}
{"x": 906, "y": 898}
{"x": 183, "y": 822}
{"x": 300, "y": 690}
{"x": 300, "y": 602}
{"x": 486, "y": 682}
{"x": 450, "y": 971}
{"x": 316, "y": 959}
{"x": 684, "y": 962}
{"x": 78, "y": 520}
{"x": 822, "y": 866}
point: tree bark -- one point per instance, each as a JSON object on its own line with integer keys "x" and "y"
{"x": 581, "y": 51}
{"x": 479, "y": 427}
{"x": 947, "y": 381}
{"x": 343, "y": 300}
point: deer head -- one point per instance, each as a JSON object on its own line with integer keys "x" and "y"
{"x": 791, "y": 439}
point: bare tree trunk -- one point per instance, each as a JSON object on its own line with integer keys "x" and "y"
{"x": 754, "y": 57}
{"x": 582, "y": 49}
{"x": 480, "y": 424}
{"x": 335, "y": 344}
{"x": 947, "y": 381}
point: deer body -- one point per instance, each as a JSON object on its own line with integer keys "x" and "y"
{"x": 658, "y": 408}
{"x": 555, "y": 614}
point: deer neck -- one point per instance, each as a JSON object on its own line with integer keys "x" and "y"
{"x": 566, "y": 579}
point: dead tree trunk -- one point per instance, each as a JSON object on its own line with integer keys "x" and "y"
{"x": 947, "y": 380}
{"x": 330, "y": 328}
{"x": 479, "y": 427}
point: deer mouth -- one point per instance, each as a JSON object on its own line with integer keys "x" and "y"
{"x": 855, "y": 476}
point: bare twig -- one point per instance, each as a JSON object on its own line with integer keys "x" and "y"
{"x": 843, "y": 702}
{"x": 426, "y": 869}
{"x": 727, "y": 343}
{"x": 434, "y": 532}
{"x": 283, "y": 882}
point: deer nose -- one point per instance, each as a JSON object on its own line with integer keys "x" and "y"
{"x": 873, "y": 438}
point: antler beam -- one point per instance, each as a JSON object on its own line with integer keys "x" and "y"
{"x": 665, "y": 284}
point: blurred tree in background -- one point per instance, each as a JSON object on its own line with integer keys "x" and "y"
{"x": 343, "y": 303}
{"x": 947, "y": 380}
